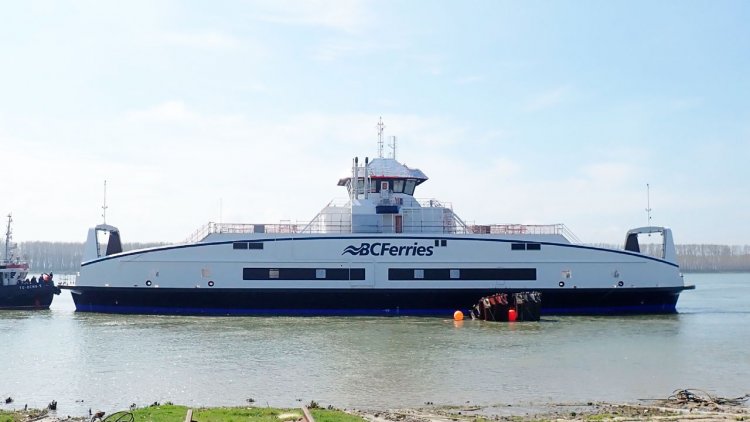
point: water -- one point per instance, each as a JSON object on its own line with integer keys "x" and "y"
{"x": 108, "y": 362}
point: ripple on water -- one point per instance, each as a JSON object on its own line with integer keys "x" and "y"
{"x": 110, "y": 361}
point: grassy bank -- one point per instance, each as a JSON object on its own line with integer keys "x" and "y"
{"x": 176, "y": 413}
{"x": 20, "y": 415}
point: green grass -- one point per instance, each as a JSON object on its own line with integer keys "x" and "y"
{"x": 237, "y": 414}
{"x": 6, "y": 416}
{"x": 325, "y": 415}
{"x": 19, "y": 415}
{"x": 166, "y": 413}
{"x": 174, "y": 413}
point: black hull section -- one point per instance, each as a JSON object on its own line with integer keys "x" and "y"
{"x": 361, "y": 301}
{"x": 27, "y": 296}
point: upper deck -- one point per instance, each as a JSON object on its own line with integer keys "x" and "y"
{"x": 287, "y": 228}
{"x": 381, "y": 201}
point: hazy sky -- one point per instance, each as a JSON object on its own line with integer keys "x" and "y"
{"x": 250, "y": 111}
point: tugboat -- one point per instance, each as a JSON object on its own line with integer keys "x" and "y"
{"x": 17, "y": 291}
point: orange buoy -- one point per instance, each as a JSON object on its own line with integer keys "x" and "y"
{"x": 458, "y": 316}
{"x": 512, "y": 315}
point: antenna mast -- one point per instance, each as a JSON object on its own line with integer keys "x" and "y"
{"x": 104, "y": 206}
{"x": 8, "y": 237}
{"x": 393, "y": 147}
{"x": 380, "y": 127}
{"x": 648, "y": 204}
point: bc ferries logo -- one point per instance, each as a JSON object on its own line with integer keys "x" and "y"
{"x": 385, "y": 248}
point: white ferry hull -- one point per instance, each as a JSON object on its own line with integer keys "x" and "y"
{"x": 372, "y": 275}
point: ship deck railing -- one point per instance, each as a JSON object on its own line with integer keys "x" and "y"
{"x": 285, "y": 228}
{"x": 538, "y": 229}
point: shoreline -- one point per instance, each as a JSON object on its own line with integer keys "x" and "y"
{"x": 696, "y": 408}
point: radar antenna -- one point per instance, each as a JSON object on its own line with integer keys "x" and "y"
{"x": 380, "y": 127}
{"x": 104, "y": 206}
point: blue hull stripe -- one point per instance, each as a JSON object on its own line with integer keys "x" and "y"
{"x": 381, "y": 302}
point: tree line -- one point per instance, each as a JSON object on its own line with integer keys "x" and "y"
{"x": 65, "y": 257}
{"x": 59, "y": 257}
{"x": 700, "y": 258}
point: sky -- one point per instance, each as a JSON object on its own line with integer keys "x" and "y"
{"x": 529, "y": 112}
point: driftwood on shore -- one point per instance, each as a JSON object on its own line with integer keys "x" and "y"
{"x": 683, "y": 405}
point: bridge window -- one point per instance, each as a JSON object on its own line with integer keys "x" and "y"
{"x": 398, "y": 186}
{"x": 409, "y": 187}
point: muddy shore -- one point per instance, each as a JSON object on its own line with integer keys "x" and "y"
{"x": 562, "y": 412}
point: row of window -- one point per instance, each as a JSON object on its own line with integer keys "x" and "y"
{"x": 393, "y": 185}
{"x": 393, "y": 274}
{"x": 303, "y": 273}
{"x": 259, "y": 245}
{"x": 525, "y": 246}
{"x": 438, "y": 242}
{"x": 247, "y": 245}
{"x": 462, "y": 274}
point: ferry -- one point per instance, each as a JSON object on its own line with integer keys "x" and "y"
{"x": 381, "y": 251}
{"x": 17, "y": 291}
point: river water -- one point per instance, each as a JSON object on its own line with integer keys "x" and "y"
{"x": 107, "y": 362}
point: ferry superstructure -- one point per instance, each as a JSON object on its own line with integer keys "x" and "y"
{"x": 379, "y": 252}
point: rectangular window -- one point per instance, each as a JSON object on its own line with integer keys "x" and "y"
{"x": 533, "y": 247}
{"x": 398, "y": 186}
{"x": 239, "y": 245}
{"x": 518, "y": 246}
{"x": 443, "y": 242}
{"x": 255, "y": 274}
{"x": 255, "y": 245}
{"x": 303, "y": 273}
{"x": 498, "y": 274}
{"x": 462, "y": 274}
